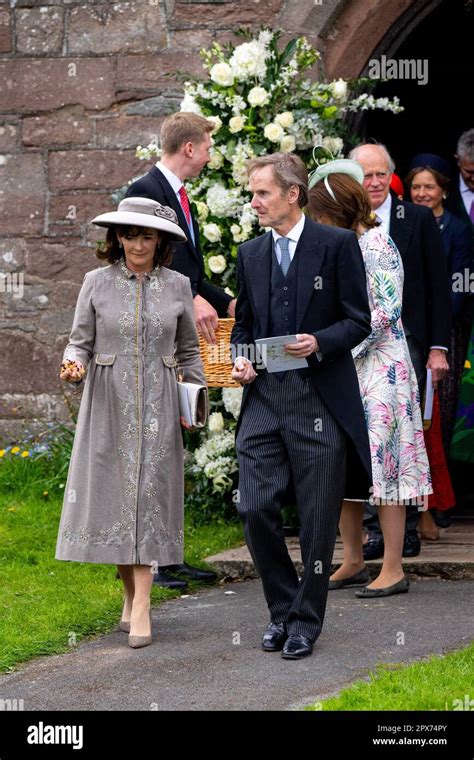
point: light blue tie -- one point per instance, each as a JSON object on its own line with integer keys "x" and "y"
{"x": 284, "y": 243}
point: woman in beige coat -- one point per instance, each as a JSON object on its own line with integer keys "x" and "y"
{"x": 133, "y": 325}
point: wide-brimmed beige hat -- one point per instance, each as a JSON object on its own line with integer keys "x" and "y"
{"x": 143, "y": 212}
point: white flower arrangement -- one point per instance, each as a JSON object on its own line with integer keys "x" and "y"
{"x": 261, "y": 100}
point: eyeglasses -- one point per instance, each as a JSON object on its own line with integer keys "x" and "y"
{"x": 379, "y": 175}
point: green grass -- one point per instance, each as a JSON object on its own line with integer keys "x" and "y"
{"x": 431, "y": 684}
{"x": 47, "y": 605}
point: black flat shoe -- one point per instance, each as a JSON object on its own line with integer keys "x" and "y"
{"x": 374, "y": 547}
{"x": 375, "y": 593}
{"x": 354, "y": 580}
{"x": 167, "y": 581}
{"x": 411, "y": 544}
{"x": 296, "y": 647}
{"x": 187, "y": 571}
{"x": 274, "y": 637}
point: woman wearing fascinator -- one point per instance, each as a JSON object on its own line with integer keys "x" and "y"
{"x": 388, "y": 386}
{"x": 133, "y": 325}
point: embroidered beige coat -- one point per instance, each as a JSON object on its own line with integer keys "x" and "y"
{"x": 123, "y": 502}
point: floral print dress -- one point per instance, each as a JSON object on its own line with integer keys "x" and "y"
{"x": 387, "y": 381}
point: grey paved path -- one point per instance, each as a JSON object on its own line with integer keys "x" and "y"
{"x": 196, "y": 662}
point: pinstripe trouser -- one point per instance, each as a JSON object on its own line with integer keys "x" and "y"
{"x": 286, "y": 430}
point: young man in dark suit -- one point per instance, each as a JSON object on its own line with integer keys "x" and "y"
{"x": 305, "y": 425}
{"x": 426, "y": 307}
{"x": 185, "y": 139}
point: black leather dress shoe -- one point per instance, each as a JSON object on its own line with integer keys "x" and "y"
{"x": 167, "y": 581}
{"x": 375, "y": 593}
{"x": 374, "y": 547}
{"x": 296, "y": 647}
{"x": 274, "y": 637}
{"x": 187, "y": 571}
{"x": 411, "y": 544}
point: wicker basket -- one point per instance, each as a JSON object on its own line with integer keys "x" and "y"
{"x": 216, "y": 358}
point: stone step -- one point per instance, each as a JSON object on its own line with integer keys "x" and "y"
{"x": 451, "y": 557}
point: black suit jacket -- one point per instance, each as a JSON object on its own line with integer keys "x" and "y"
{"x": 426, "y": 308}
{"x": 187, "y": 257}
{"x": 454, "y": 202}
{"x": 337, "y": 314}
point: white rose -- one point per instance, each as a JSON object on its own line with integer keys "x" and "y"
{"x": 273, "y": 132}
{"x": 216, "y": 422}
{"x": 338, "y": 89}
{"x": 285, "y": 119}
{"x": 217, "y": 264}
{"x": 202, "y": 211}
{"x": 212, "y": 232}
{"x": 216, "y": 121}
{"x": 221, "y": 74}
{"x": 258, "y": 96}
{"x": 333, "y": 144}
{"x": 217, "y": 159}
{"x": 236, "y": 233}
{"x": 236, "y": 124}
{"x": 287, "y": 144}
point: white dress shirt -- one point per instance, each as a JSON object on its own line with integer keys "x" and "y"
{"x": 293, "y": 236}
{"x": 383, "y": 214}
{"x": 176, "y": 185}
{"x": 466, "y": 194}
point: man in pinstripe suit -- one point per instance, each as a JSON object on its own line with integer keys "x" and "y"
{"x": 307, "y": 424}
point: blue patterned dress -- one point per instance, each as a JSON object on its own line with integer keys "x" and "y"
{"x": 387, "y": 380}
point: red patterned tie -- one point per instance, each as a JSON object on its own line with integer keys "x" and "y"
{"x": 185, "y": 204}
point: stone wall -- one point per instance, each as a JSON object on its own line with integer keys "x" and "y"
{"x": 82, "y": 83}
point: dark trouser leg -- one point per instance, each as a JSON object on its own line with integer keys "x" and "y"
{"x": 285, "y": 423}
{"x": 264, "y": 475}
{"x": 318, "y": 464}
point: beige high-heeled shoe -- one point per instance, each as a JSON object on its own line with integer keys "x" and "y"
{"x": 124, "y": 626}
{"x": 141, "y": 641}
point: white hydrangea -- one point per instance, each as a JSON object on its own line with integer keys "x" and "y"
{"x": 188, "y": 104}
{"x": 220, "y": 466}
{"x": 232, "y": 398}
{"x": 222, "y": 201}
{"x": 214, "y": 447}
{"x": 248, "y": 61}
